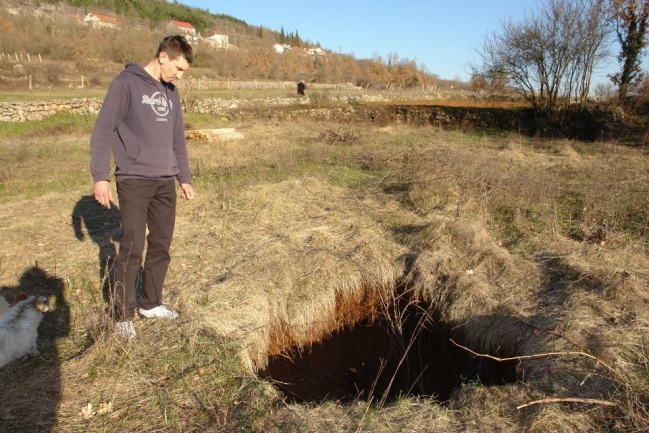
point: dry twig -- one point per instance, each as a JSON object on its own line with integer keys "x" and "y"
{"x": 569, "y": 400}
{"x": 538, "y": 355}
{"x": 543, "y": 355}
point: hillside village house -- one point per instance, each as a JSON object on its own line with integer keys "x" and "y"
{"x": 218, "y": 41}
{"x": 98, "y": 21}
{"x": 315, "y": 51}
{"x": 281, "y": 48}
{"x": 285, "y": 48}
{"x": 184, "y": 28}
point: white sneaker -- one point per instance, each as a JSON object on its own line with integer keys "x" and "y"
{"x": 125, "y": 330}
{"x": 159, "y": 312}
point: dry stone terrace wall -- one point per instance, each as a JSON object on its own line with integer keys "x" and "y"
{"x": 206, "y": 83}
{"x": 218, "y": 106}
{"x": 23, "y": 111}
{"x": 377, "y": 109}
{"x": 347, "y": 109}
{"x": 287, "y": 109}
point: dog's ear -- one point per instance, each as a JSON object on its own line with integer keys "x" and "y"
{"x": 19, "y": 297}
{"x": 40, "y": 304}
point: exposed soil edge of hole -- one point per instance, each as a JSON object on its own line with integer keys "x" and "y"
{"x": 353, "y": 359}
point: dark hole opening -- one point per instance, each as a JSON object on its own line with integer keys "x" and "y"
{"x": 381, "y": 362}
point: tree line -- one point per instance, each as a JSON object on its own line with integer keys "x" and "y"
{"x": 550, "y": 55}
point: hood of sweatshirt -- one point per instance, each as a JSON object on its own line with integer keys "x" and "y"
{"x": 137, "y": 69}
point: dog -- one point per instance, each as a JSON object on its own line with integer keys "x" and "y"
{"x": 19, "y": 326}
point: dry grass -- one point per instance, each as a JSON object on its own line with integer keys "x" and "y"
{"x": 514, "y": 246}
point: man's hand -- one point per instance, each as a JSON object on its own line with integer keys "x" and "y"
{"x": 188, "y": 191}
{"x": 103, "y": 193}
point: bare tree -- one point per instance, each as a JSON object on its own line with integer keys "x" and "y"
{"x": 550, "y": 56}
{"x": 591, "y": 29}
{"x": 478, "y": 83}
{"x": 630, "y": 21}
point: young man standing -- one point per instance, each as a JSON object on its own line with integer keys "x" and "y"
{"x": 141, "y": 124}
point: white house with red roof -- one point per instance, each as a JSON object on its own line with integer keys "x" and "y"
{"x": 98, "y": 21}
{"x": 183, "y": 27}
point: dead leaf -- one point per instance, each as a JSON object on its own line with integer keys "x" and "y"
{"x": 105, "y": 408}
{"x": 87, "y": 412}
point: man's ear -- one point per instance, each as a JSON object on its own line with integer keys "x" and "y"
{"x": 162, "y": 58}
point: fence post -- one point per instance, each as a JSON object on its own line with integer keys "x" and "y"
{"x": 39, "y": 58}
{"x": 30, "y": 82}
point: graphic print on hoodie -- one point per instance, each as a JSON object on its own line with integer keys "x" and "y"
{"x": 159, "y": 105}
{"x": 141, "y": 122}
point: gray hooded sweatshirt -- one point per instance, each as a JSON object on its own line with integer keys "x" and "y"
{"x": 141, "y": 123}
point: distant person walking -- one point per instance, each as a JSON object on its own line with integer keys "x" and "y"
{"x": 300, "y": 88}
{"x": 141, "y": 125}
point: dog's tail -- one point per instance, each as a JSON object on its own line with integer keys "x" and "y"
{"x": 4, "y": 307}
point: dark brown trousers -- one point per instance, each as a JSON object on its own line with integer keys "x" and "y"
{"x": 143, "y": 204}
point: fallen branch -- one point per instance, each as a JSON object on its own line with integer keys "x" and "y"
{"x": 538, "y": 355}
{"x": 543, "y": 355}
{"x": 568, "y": 400}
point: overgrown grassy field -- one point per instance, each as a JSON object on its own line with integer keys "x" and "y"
{"x": 507, "y": 253}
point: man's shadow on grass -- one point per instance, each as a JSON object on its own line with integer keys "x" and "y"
{"x": 30, "y": 389}
{"x": 103, "y": 227}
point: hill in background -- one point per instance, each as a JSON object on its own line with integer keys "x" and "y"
{"x": 56, "y": 31}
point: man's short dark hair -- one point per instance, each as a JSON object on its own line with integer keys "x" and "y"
{"x": 176, "y": 46}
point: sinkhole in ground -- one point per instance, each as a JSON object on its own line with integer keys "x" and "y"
{"x": 382, "y": 360}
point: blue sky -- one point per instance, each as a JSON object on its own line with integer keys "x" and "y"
{"x": 442, "y": 35}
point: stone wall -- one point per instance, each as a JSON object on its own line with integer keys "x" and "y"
{"x": 22, "y": 111}
{"x": 377, "y": 109}
{"x": 207, "y": 83}
{"x": 343, "y": 109}
{"x": 217, "y": 106}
